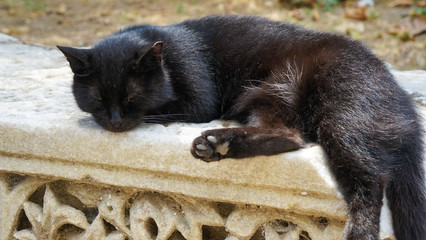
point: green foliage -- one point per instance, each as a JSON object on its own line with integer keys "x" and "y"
{"x": 6, "y": 3}
{"x": 32, "y": 5}
{"x": 329, "y": 5}
{"x": 419, "y": 11}
{"x": 372, "y": 14}
{"x": 180, "y": 9}
{"x": 300, "y": 2}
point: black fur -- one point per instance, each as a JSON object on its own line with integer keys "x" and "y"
{"x": 288, "y": 85}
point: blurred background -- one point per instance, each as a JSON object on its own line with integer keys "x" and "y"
{"x": 394, "y": 29}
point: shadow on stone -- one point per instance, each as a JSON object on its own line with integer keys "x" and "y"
{"x": 88, "y": 123}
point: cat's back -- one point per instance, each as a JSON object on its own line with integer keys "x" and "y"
{"x": 242, "y": 40}
{"x": 241, "y": 32}
{"x": 236, "y": 25}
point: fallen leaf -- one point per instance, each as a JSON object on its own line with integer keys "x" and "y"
{"x": 12, "y": 12}
{"x": 298, "y": 14}
{"x": 401, "y": 3}
{"x": 421, "y": 3}
{"x": 409, "y": 26}
{"x": 416, "y": 25}
{"x": 104, "y": 12}
{"x": 347, "y": 27}
{"x": 359, "y": 13}
{"x": 61, "y": 9}
{"x": 315, "y": 15}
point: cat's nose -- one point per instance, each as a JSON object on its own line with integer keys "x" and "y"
{"x": 116, "y": 118}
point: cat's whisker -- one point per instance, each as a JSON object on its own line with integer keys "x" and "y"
{"x": 80, "y": 96}
{"x": 163, "y": 118}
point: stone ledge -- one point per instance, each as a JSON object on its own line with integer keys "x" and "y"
{"x": 51, "y": 152}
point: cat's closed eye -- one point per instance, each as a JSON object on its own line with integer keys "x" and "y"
{"x": 82, "y": 74}
{"x": 127, "y": 100}
{"x": 131, "y": 98}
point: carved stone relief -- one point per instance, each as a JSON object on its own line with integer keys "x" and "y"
{"x": 36, "y": 208}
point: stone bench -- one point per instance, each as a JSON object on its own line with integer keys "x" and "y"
{"x": 63, "y": 177}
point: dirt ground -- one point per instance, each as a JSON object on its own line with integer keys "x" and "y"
{"x": 83, "y": 22}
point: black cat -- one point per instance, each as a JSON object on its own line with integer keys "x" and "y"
{"x": 288, "y": 85}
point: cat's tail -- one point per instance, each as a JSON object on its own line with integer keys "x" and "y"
{"x": 407, "y": 197}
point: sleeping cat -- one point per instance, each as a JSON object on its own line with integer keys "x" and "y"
{"x": 287, "y": 85}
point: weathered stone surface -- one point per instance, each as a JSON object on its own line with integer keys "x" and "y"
{"x": 158, "y": 187}
{"x": 413, "y": 82}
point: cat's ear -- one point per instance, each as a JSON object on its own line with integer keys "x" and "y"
{"x": 151, "y": 58}
{"x": 156, "y": 50}
{"x": 78, "y": 59}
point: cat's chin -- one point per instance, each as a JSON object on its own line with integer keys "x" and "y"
{"x": 118, "y": 129}
{"x": 123, "y": 128}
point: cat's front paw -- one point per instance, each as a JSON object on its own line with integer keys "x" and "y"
{"x": 208, "y": 147}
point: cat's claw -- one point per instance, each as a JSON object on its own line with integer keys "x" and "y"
{"x": 212, "y": 139}
{"x": 208, "y": 148}
{"x": 201, "y": 147}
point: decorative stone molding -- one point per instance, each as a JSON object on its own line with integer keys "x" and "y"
{"x": 63, "y": 177}
{"x": 40, "y": 208}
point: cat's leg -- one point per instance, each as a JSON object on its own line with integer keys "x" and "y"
{"x": 247, "y": 141}
{"x": 360, "y": 177}
{"x": 265, "y": 134}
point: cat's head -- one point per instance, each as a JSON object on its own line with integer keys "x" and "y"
{"x": 119, "y": 81}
